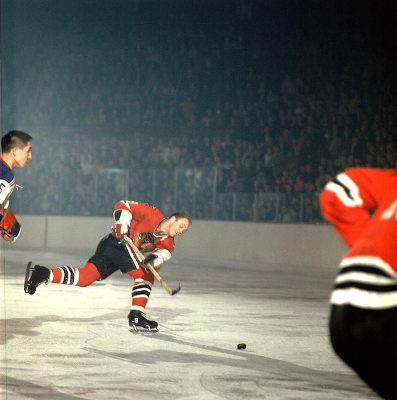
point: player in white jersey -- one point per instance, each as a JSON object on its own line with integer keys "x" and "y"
{"x": 15, "y": 153}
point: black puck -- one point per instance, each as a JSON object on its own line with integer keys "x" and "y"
{"x": 241, "y": 346}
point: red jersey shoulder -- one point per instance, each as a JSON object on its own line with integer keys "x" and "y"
{"x": 167, "y": 243}
{"x": 151, "y": 206}
{"x": 138, "y": 210}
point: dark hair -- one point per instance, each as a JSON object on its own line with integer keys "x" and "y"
{"x": 181, "y": 214}
{"x": 14, "y": 139}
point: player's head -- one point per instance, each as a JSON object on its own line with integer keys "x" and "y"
{"x": 180, "y": 222}
{"x": 16, "y": 148}
{"x": 14, "y": 139}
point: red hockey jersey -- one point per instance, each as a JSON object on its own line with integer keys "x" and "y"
{"x": 361, "y": 203}
{"x": 145, "y": 219}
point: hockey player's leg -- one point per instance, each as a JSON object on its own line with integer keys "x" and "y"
{"x": 365, "y": 340}
{"x": 69, "y": 275}
{"x": 34, "y": 276}
{"x": 140, "y": 296}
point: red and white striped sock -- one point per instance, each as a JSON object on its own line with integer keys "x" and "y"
{"x": 68, "y": 275}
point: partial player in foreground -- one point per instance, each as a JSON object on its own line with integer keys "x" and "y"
{"x": 361, "y": 203}
{"x": 15, "y": 153}
{"x": 150, "y": 232}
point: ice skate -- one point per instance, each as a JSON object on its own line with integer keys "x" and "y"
{"x": 34, "y": 276}
{"x": 138, "y": 320}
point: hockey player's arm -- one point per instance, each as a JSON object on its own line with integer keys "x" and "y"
{"x": 122, "y": 223}
{"x": 10, "y": 229}
{"x": 343, "y": 206}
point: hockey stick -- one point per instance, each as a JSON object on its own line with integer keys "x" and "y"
{"x": 171, "y": 292}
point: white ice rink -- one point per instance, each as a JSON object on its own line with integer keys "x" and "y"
{"x": 67, "y": 343}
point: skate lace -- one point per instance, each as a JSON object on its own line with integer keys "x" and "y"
{"x": 145, "y": 316}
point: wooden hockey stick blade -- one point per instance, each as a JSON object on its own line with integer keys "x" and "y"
{"x": 171, "y": 292}
{"x": 176, "y": 289}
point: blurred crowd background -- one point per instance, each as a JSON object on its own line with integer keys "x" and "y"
{"x": 236, "y": 110}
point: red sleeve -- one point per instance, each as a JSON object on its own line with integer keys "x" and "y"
{"x": 349, "y": 222}
{"x": 348, "y": 200}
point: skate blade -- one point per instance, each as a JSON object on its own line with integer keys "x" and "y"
{"x": 143, "y": 328}
{"x": 28, "y": 274}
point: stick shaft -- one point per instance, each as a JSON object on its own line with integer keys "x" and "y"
{"x": 150, "y": 266}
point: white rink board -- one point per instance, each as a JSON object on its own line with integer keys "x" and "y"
{"x": 295, "y": 244}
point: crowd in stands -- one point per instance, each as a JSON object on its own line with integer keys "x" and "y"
{"x": 272, "y": 110}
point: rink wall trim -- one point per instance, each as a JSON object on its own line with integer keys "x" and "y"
{"x": 278, "y": 243}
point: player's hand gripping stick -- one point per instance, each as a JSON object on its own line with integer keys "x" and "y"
{"x": 171, "y": 292}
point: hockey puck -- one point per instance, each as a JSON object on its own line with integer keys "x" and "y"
{"x": 241, "y": 346}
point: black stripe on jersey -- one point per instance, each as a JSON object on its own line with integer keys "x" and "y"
{"x": 344, "y": 187}
{"x": 117, "y": 214}
{"x": 366, "y": 286}
{"x": 365, "y": 268}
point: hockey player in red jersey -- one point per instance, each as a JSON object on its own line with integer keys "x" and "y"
{"x": 151, "y": 233}
{"x": 15, "y": 153}
{"x": 361, "y": 203}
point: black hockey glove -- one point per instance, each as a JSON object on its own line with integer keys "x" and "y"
{"x": 149, "y": 259}
{"x": 156, "y": 259}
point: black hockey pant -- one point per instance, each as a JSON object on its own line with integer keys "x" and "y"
{"x": 366, "y": 340}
